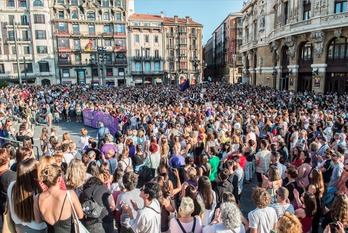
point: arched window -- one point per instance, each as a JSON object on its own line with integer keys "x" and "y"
{"x": 106, "y": 16}
{"x": 337, "y": 49}
{"x": 74, "y": 15}
{"x": 38, "y": 3}
{"x": 90, "y": 15}
{"x": 306, "y": 51}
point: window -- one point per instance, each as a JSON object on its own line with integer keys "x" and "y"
{"x": 156, "y": 53}
{"x": 107, "y": 28}
{"x": 62, "y": 27}
{"x": 40, "y": 34}
{"x": 90, "y": 15}
{"x": 306, "y": 51}
{"x": 306, "y": 9}
{"x": 105, "y": 2}
{"x": 10, "y": 3}
{"x": 337, "y": 49}
{"x": 41, "y": 49}
{"x": 107, "y": 42}
{"x": 94, "y": 72}
{"x": 76, "y": 28}
{"x": 118, "y": 16}
{"x": 11, "y": 35}
{"x": 109, "y": 72}
{"x": 137, "y": 52}
{"x": 60, "y": 14}
{"x": 66, "y": 73}
{"x": 120, "y": 42}
{"x": 119, "y": 28}
{"x": 27, "y": 68}
{"x": 91, "y": 28}
{"x": 137, "y": 66}
{"x": 74, "y": 15}
{"x": 118, "y": 2}
{"x": 2, "y": 69}
{"x": 63, "y": 42}
{"x": 39, "y": 18}
{"x": 157, "y": 66}
{"x": 286, "y": 13}
{"x": 60, "y": 1}
{"x": 24, "y": 20}
{"x": 38, "y": 3}
{"x": 136, "y": 38}
{"x": 77, "y": 44}
{"x": 13, "y": 49}
{"x": 340, "y": 6}
{"x": 77, "y": 57}
{"x": 106, "y": 16}
{"x": 74, "y": 2}
{"x": 147, "y": 52}
{"x": 11, "y": 19}
{"x": 147, "y": 67}
{"x": 156, "y": 39}
{"x": 25, "y": 36}
{"x": 22, "y": 3}
{"x": 44, "y": 67}
{"x": 146, "y": 38}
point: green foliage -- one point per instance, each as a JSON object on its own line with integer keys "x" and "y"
{"x": 4, "y": 84}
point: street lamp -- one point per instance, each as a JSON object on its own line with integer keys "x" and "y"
{"x": 142, "y": 67}
{"x": 195, "y": 63}
{"x": 274, "y": 74}
{"x": 101, "y": 64}
{"x": 91, "y": 62}
{"x": 233, "y": 66}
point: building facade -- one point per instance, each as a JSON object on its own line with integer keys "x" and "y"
{"x": 145, "y": 41}
{"x": 296, "y": 45}
{"x": 182, "y": 50}
{"x": 226, "y": 59}
{"x": 26, "y": 42}
{"x": 90, "y": 41}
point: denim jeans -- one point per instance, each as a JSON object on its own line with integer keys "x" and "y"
{"x": 248, "y": 170}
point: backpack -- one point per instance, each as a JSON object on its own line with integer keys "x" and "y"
{"x": 91, "y": 208}
{"x": 182, "y": 228}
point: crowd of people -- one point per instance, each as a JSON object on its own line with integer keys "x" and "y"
{"x": 179, "y": 161}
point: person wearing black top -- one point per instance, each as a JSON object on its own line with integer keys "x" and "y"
{"x": 327, "y": 168}
{"x": 223, "y": 185}
{"x": 138, "y": 158}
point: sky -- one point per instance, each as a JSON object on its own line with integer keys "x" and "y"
{"x": 209, "y": 13}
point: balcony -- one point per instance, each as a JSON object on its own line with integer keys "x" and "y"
{"x": 148, "y": 72}
{"x": 182, "y": 33}
{"x": 157, "y": 58}
{"x": 170, "y": 46}
{"x": 193, "y": 35}
{"x": 64, "y": 49}
{"x": 64, "y": 62}
{"x": 62, "y": 33}
{"x": 120, "y": 61}
{"x": 170, "y": 34}
{"x": 120, "y": 48}
{"x": 107, "y": 34}
{"x": 75, "y": 34}
{"x": 119, "y": 34}
{"x": 90, "y": 34}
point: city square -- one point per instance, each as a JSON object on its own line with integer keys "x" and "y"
{"x": 173, "y": 116}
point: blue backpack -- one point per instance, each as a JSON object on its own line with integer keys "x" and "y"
{"x": 329, "y": 196}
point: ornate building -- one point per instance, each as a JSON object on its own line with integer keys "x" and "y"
{"x": 25, "y": 42}
{"x": 296, "y": 45}
{"x": 90, "y": 40}
{"x": 223, "y": 58}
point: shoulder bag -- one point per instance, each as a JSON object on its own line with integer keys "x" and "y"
{"x": 78, "y": 226}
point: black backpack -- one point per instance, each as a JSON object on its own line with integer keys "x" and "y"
{"x": 91, "y": 208}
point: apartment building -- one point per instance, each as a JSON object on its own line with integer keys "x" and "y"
{"x": 182, "y": 49}
{"x": 26, "y": 42}
{"x": 224, "y": 61}
{"x": 90, "y": 41}
{"x": 296, "y": 45}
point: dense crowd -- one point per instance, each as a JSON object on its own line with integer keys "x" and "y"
{"x": 178, "y": 162}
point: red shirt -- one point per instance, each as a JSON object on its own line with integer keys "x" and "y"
{"x": 242, "y": 158}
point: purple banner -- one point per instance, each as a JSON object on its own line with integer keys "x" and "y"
{"x": 92, "y": 118}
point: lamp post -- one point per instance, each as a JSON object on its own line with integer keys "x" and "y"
{"x": 233, "y": 67}
{"x": 274, "y": 74}
{"x": 195, "y": 63}
{"x": 124, "y": 70}
{"x": 25, "y": 70}
{"x": 91, "y": 62}
{"x": 142, "y": 67}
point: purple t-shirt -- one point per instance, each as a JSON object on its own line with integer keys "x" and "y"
{"x": 107, "y": 147}
{"x": 177, "y": 161}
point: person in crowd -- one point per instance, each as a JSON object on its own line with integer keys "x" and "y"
{"x": 95, "y": 188}
{"x": 337, "y": 168}
{"x": 102, "y": 131}
{"x": 44, "y": 137}
{"x": 262, "y": 161}
{"x": 263, "y": 218}
{"x": 306, "y": 210}
{"x": 21, "y": 194}
{"x": 207, "y": 198}
{"x": 304, "y": 169}
{"x": 338, "y": 212}
{"x": 154, "y": 158}
{"x": 272, "y": 182}
{"x": 83, "y": 139}
{"x": 289, "y": 223}
{"x": 76, "y": 176}
{"x": 282, "y": 203}
{"x": 327, "y": 168}
{"x": 56, "y": 219}
{"x": 6, "y": 177}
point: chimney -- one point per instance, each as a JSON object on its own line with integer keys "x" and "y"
{"x": 175, "y": 19}
{"x": 162, "y": 14}
{"x": 187, "y": 19}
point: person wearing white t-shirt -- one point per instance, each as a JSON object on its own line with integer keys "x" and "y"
{"x": 263, "y": 218}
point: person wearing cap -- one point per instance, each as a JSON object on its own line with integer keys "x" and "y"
{"x": 282, "y": 204}
{"x": 324, "y": 146}
{"x": 337, "y": 168}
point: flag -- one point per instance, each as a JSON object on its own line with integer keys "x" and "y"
{"x": 185, "y": 85}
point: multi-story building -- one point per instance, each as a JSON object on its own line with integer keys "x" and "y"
{"x": 145, "y": 40}
{"x": 25, "y": 42}
{"x": 90, "y": 41}
{"x": 183, "y": 49}
{"x": 224, "y": 61}
{"x": 296, "y": 45}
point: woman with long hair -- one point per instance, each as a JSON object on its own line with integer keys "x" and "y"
{"x": 205, "y": 168}
{"x": 21, "y": 194}
{"x": 44, "y": 137}
{"x": 21, "y": 154}
{"x": 272, "y": 182}
{"x": 57, "y": 219}
{"x": 289, "y": 223}
{"x": 76, "y": 176}
{"x": 296, "y": 158}
{"x": 338, "y": 212}
{"x": 66, "y": 138}
{"x": 207, "y": 198}
{"x": 49, "y": 116}
{"x": 307, "y": 209}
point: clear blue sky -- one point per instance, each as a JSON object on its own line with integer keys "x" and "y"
{"x": 210, "y": 13}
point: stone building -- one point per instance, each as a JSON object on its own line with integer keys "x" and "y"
{"x": 90, "y": 41}
{"x": 26, "y": 42}
{"x": 296, "y": 45}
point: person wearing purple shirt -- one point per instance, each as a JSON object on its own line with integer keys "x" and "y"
{"x": 177, "y": 161}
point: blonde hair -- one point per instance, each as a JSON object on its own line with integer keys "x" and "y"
{"x": 187, "y": 206}
{"x": 44, "y": 162}
{"x": 289, "y": 223}
{"x": 84, "y": 132}
{"x": 75, "y": 174}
